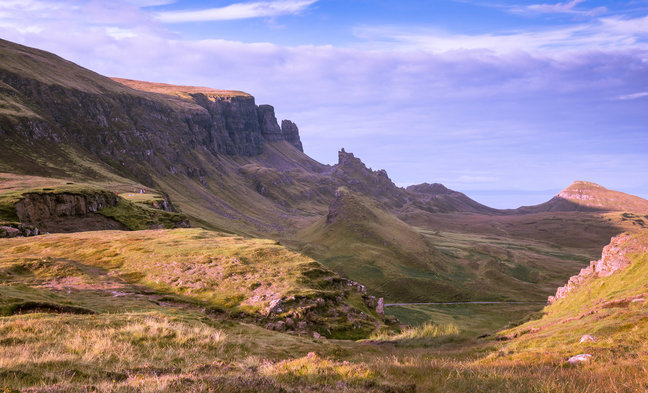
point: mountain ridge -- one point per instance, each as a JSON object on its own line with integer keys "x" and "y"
{"x": 228, "y": 165}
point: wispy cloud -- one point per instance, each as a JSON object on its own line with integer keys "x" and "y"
{"x": 235, "y": 11}
{"x": 148, "y": 3}
{"x": 633, "y": 96}
{"x": 603, "y": 33}
{"x": 557, "y": 8}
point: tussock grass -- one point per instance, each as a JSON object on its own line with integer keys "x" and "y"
{"x": 423, "y": 335}
{"x": 427, "y": 330}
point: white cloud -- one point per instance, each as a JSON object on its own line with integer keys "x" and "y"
{"x": 633, "y": 96}
{"x": 605, "y": 33}
{"x": 119, "y": 33}
{"x": 557, "y": 8}
{"x": 148, "y": 3}
{"x": 237, "y": 11}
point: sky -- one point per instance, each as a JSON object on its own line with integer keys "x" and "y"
{"x": 508, "y": 101}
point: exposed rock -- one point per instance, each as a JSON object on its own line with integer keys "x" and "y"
{"x": 612, "y": 260}
{"x": 268, "y": 121}
{"x": 9, "y": 232}
{"x": 14, "y": 230}
{"x": 380, "y": 308}
{"x": 587, "y": 338}
{"x": 316, "y": 335}
{"x": 353, "y": 173}
{"x": 274, "y": 307}
{"x": 370, "y": 301}
{"x": 291, "y": 134}
{"x": 578, "y": 359}
{"x": 37, "y": 207}
{"x": 66, "y": 212}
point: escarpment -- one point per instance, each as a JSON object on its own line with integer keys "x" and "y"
{"x": 613, "y": 259}
{"x": 67, "y": 212}
{"x": 136, "y": 129}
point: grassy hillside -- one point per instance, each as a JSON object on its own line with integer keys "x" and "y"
{"x": 174, "y": 311}
{"x": 254, "y": 279}
{"x": 362, "y": 240}
{"x": 612, "y": 309}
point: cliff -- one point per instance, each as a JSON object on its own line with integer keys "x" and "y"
{"x": 613, "y": 259}
{"x": 47, "y": 102}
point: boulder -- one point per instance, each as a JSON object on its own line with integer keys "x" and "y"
{"x": 578, "y": 359}
{"x": 587, "y": 338}
{"x": 6, "y": 231}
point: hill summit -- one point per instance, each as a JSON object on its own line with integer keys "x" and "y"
{"x": 588, "y": 196}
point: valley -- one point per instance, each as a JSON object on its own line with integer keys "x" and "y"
{"x": 156, "y": 237}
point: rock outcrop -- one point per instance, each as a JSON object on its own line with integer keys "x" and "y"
{"x": 351, "y": 172}
{"x": 36, "y": 208}
{"x": 612, "y": 260}
{"x": 67, "y": 212}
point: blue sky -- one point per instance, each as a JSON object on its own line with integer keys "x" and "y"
{"x": 508, "y": 101}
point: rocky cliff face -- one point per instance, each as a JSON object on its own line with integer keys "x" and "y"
{"x": 613, "y": 259}
{"x": 351, "y": 172}
{"x": 67, "y": 212}
{"x": 48, "y": 102}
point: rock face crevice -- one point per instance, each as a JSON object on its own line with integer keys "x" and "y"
{"x": 613, "y": 259}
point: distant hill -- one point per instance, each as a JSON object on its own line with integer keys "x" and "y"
{"x": 589, "y": 197}
{"x": 437, "y": 198}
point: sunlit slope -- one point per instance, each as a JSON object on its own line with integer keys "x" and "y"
{"x": 608, "y": 302}
{"x": 256, "y": 279}
{"x": 588, "y": 196}
{"x": 363, "y": 241}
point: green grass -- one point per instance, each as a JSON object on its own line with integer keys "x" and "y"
{"x": 139, "y": 216}
{"x": 404, "y": 263}
{"x": 200, "y": 268}
{"x": 601, "y": 307}
{"x": 472, "y": 319}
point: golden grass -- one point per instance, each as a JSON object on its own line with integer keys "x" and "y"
{"x": 177, "y": 90}
{"x": 201, "y": 265}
